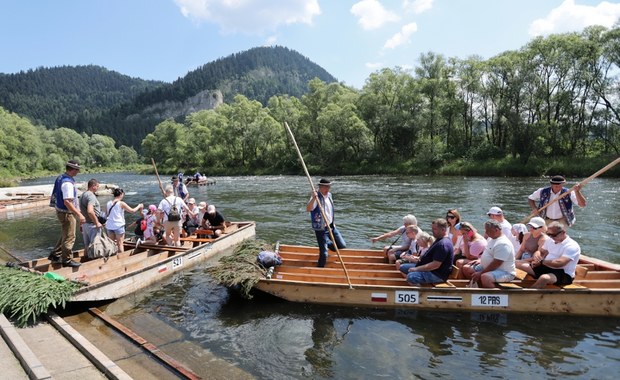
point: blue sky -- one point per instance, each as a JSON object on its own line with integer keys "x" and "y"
{"x": 165, "y": 39}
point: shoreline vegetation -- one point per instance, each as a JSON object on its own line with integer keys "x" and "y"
{"x": 506, "y": 167}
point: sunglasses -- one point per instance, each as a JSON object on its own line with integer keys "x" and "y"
{"x": 555, "y": 234}
{"x": 450, "y": 216}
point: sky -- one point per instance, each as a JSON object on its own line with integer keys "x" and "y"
{"x": 166, "y": 39}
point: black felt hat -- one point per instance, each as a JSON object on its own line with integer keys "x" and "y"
{"x": 557, "y": 179}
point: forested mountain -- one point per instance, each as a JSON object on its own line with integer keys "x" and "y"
{"x": 68, "y": 96}
{"x": 257, "y": 74}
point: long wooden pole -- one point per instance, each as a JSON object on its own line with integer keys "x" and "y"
{"x": 582, "y": 183}
{"x": 331, "y": 234}
{"x": 10, "y": 254}
{"x": 161, "y": 186}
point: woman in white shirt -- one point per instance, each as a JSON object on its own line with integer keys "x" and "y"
{"x": 115, "y": 225}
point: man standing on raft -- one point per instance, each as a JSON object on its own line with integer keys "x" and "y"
{"x": 322, "y": 227}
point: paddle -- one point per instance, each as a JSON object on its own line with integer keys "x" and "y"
{"x": 582, "y": 183}
{"x": 161, "y": 187}
{"x": 331, "y": 234}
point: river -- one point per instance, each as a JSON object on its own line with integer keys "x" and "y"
{"x": 273, "y": 339}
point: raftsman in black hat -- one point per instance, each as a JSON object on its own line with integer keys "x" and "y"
{"x": 325, "y": 182}
{"x": 557, "y": 179}
{"x": 73, "y": 164}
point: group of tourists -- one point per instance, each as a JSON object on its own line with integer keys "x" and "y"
{"x": 176, "y": 215}
{"x": 541, "y": 247}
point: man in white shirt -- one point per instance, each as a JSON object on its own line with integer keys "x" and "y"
{"x": 558, "y": 210}
{"x": 560, "y": 256}
{"x": 497, "y": 262}
{"x": 496, "y": 213}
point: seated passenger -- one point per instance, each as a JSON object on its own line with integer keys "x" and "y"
{"x": 411, "y": 254}
{"x": 191, "y": 221}
{"x": 518, "y": 232}
{"x": 472, "y": 246}
{"x": 436, "y": 264}
{"x": 454, "y": 218}
{"x": 532, "y": 242}
{"x": 408, "y": 220}
{"x": 424, "y": 242}
{"x": 214, "y": 220}
{"x": 497, "y": 262}
{"x": 560, "y": 255}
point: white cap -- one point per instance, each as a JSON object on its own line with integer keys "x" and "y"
{"x": 495, "y": 211}
{"x": 192, "y": 201}
{"x": 536, "y": 222}
{"x": 211, "y": 209}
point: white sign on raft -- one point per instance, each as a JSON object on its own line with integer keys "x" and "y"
{"x": 489, "y": 300}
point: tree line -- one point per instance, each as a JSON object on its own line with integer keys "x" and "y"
{"x": 554, "y": 99}
{"x": 29, "y": 150}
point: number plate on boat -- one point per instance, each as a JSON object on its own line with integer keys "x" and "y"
{"x": 493, "y": 300}
{"x": 177, "y": 262}
{"x": 407, "y": 297}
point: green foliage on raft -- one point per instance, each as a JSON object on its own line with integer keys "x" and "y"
{"x": 241, "y": 269}
{"x": 24, "y": 296}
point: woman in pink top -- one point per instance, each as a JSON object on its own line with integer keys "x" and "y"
{"x": 473, "y": 244}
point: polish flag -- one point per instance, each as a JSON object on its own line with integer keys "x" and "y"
{"x": 162, "y": 268}
{"x": 378, "y": 297}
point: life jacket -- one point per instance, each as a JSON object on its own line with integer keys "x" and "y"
{"x": 566, "y": 204}
{"x": 315, "y": 215}
{"x": 56, "y": 200}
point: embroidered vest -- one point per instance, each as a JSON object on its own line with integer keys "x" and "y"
{"x": 315, "y": 215}
{"x": 56, "y": 200}
{"x": 566, "y": 204}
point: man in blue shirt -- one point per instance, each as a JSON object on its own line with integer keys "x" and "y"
{"x": 436, "y": 264}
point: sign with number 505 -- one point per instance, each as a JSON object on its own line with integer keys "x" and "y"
{"x": 409, "y": 297}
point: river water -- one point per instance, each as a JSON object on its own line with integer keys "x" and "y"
{"x": 274, "y": 339}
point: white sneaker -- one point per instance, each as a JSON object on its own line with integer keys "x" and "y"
{"x": 138, "y": 242}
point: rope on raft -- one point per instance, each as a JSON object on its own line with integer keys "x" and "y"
{"x": 241, "y": 270}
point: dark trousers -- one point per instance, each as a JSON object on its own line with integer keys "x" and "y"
{"x": 324, "y": 241}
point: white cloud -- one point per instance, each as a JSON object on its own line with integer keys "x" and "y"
{"x": 417, "y": 6}
{"x": 271, "y": 40}
{"x": 372, "y": 15}
{"x": 250, "y": 16}
{"x": 570, "y": 17}
{"x": 374, "y": 65}
{"x": 401, "y": 37}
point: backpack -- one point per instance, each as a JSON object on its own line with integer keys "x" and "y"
{"x": 174, "y": 215}
{"x": 268, "y": 259}
{"x": 102, "y": 246}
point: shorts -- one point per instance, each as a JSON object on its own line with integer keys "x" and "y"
{"x": 498, "y": 275}
{"x": 563, "y": 277}
{"x": 118, "y": 231}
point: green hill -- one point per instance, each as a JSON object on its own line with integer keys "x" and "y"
{"x": 68, "y": 96}
{"x": 93, "y": 99}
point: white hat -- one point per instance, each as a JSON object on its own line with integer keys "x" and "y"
{"x": 211, "y": 209}
{"x": 536, "y": 222}
{"x": 192, "y": 201}
{"x": 202, "y": 205}
{"x": 495, "y": 211}
{"x": 519, "y": 228}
